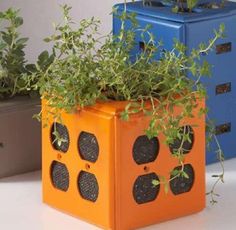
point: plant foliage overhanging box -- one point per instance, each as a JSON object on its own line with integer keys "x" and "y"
{"x": 191, "y": 28}
{"x": 123, "y": 142}
{"x": 20, "y": 136}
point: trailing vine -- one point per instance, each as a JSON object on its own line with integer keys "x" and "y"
{"x": 186, "y": 6}
{"x": 220, "y": 156}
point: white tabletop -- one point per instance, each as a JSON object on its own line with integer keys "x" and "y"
{"x": 21, "y": 207}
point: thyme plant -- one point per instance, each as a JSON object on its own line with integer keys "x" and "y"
{"x": 12, "y": 57}
{"x": 187, "y": 6}
{"x": 85, "y": 67}
{"x": 180, "y": 6}
{"x": 191, "y": 4}
{"x": 184, "y": 6}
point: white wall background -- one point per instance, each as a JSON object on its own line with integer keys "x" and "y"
{"x": 40, "y": 14}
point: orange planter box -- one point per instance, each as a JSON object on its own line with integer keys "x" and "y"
{"x": 104, "y": 173}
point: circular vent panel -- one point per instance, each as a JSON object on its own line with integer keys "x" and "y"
{"x": 60, "y": 131}
{"x": 182, "y": 184}
{"x": 59, "y": 176}
{"x": 144, "y": 191}
{"x": 145, "y": 150}
{"x": 187, "y": 144}
{"x": 88, "y": 147}
{"x": 88, "y": 186}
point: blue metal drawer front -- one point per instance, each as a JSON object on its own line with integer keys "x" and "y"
{"x": 192, "y": 29}
{"x": 221, "y": 86}
{"x": 165, "y": 12}
{"x": 162, "y": 31}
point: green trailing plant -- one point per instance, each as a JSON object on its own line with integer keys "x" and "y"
{"x": 191, "y": 4}
{"x": 85, "y": 67}
{"x": 12, "y": 57}
{"x": 179, "y": 6}
{"x": 184, "y": 6}
{"x": 219, "y": 178}
{"x": 213, "y": 5}
{"x": 187, "y": 6}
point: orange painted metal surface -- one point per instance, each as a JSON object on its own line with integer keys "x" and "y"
{"x": 116, "y": 171}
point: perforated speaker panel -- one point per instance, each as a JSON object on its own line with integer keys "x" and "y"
{"x": 145, "y": 150}
{"x": 63, "y": 134}
{"x": 181, "y": 184}
{"x": 59, "y": 176}
{"x": 143, "y": 190}
{"x": 88, "y": 147}
{"x": 186, "y": 144}
{"x": 88, "y": 186}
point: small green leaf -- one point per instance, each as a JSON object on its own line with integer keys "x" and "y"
{"x": 125, "y": 116}
{"x": 175, "y": 172}
{"x": 175, "y": 9}
{"x": 43, "y": 56}
{"x": 156, "y": 182}
{"x": 3, "y": 46}
{"x": 47, "y": 40}
{"x": 22, "y": 41}
{"x": 185, "y": 175}
{"x": 18, "y": 21}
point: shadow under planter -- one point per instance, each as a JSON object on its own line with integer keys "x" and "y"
{"x": 103, "y": 173}
{"x": 20, "y": 136}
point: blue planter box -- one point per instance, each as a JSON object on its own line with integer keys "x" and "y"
{"x": 192, "y": 29}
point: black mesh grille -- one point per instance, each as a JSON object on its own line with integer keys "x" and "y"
{"x": 63, "y": 134}
{"x": 145, "y": 150}
{"x": 88, "y": 186}
{"x": 182, "y": 184}
{"x": 144, "y": 191}
{"x": 187, "y": 145}
{"x": 59, "y": 176}
{"x": 88, "y": 147}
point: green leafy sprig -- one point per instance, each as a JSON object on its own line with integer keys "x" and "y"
{"x": 12, "y": 57}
